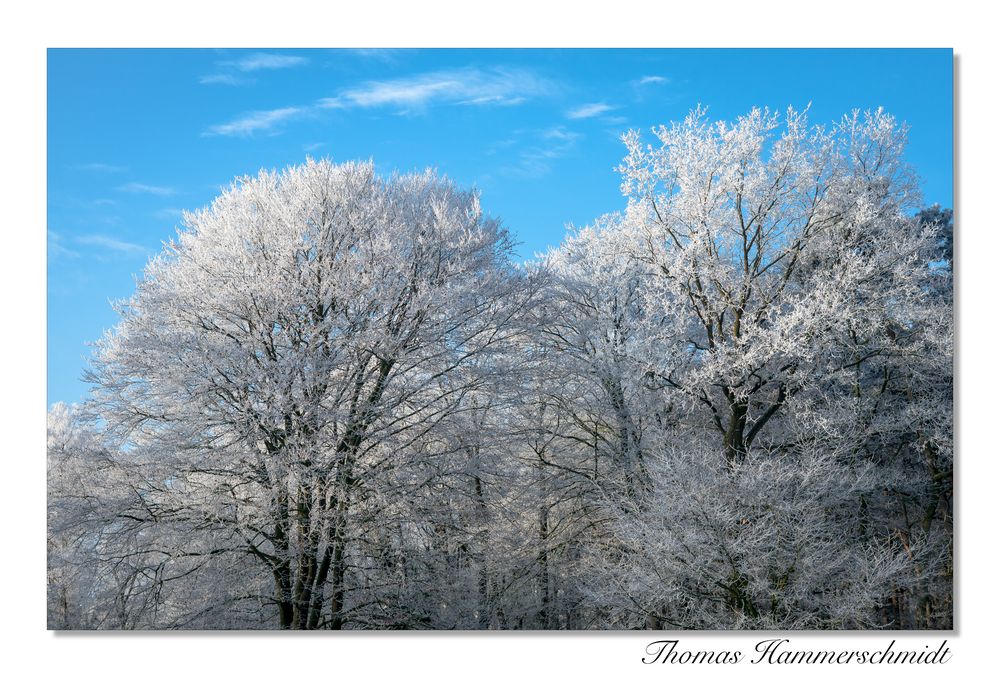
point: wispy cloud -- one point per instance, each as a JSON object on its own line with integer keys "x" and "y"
{"x": 56, "y": 248}
{"x": 385, "y": 54}
{"x": 495, "y": 100}
{"x": 550, "y": 144}
{"x": 589, "y": 111}
{"x": 135, "y": 187}
{"x": 256, "y": 121}
{"x": 467, "y": 86}
{"x": 560, "y": 135}
{"x": 101, "y": 167}
{"x": 172, "y": 213}
{"x": 224, "y": 79}
{"x": 647, "y": 85}
{"x": 110, "y": 243}
{"x": 229, "y": 71}
{"x": 265, "y": 61}
{"x": 502, "y": 144}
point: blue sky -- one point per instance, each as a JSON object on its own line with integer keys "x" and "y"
{"x": 137, "y": 136}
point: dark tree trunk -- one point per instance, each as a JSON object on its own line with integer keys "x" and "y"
{"x": 734, "y": 441}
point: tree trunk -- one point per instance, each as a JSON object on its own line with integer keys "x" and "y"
{"x": 734, "y": 441}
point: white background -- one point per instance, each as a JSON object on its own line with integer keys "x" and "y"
{"x": 26, "y": 32}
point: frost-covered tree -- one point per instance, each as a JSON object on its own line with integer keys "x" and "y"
{"x": 942, "y": 221}
{"x": 74, "y": 461}
{"x": 295, "y": 359}
{"x": 782, "y": 313}
{"x": 106, "y": 559}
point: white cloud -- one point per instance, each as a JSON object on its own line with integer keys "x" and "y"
{"x": 496, "y": 100}
{"x": 135, "y": 187}
{"x": 536, "y": 160}
{"x": 646, "y": 85}
{"x": 56, "y": 248}
{"x": 589, "y": 111}
{"x": 261, "y": 61}
{"x": 171, "y": 213}
{"x": 224, "y": 79}
{"x": 560, "y": 135}
{"x": 400, "y": 93}
{"x": 258, "y": 61}
{"x": 255, "y": 121}
{"x": 468, "y": 86}
{"x": 384, "y": 54}
{"x": 109, "y": 243}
